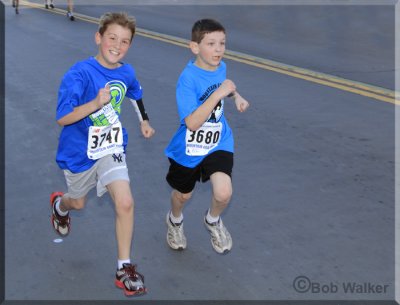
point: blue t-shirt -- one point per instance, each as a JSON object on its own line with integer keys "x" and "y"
{"x": 194, "y": 86}
{"x": 79, "y": 86}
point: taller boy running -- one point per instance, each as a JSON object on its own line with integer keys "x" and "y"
{"x": 92, "y": 143}
{"x": 202, "y": 147}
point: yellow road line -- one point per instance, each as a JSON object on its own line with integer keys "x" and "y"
{"x": 323, "y": 79}
{"x": 363, "y": 89}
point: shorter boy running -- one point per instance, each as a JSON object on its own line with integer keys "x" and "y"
{"x": 202, "y": 147}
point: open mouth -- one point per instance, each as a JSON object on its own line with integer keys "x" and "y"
{"x": 114, "y": 52}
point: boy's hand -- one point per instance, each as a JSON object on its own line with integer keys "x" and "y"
{"x": 227, "y": 87}
{"x": 103, "y": 97}
{"x": 146, "y": 129}
{"x": 241, "y": 103}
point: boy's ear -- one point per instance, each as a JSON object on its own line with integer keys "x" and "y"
{"x": 97, "y": 38}
{"x": 194, "y": 46}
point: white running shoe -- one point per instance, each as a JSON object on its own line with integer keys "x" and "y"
{"x": 70, "y": 16}
{"x": 175, "y": 237}
{"x": 221, "y": 240}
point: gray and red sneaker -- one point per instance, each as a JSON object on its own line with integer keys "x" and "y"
{"x": 62, "y": 224}
{"x": 130, "y": 280}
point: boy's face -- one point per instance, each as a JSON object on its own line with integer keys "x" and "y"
{"x": 209, "y": 51}
{"x": 113, "y": 45}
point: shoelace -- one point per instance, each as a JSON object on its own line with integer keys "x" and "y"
{"x": 177, "y": 231}
{"x": 134, "y": 280}
{"x": 220, "y": 233}
{"x": 130, "y": 270}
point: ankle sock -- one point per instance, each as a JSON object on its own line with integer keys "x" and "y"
{"x": 175, "y": 220}
{"x": 123, "y": 261}
{"x": 61, "y": 213}
{"x": 210, "y": 219}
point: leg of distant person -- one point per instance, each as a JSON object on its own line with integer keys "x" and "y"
{"x": 70, "y": 13}
{"x": 16, "y": 2}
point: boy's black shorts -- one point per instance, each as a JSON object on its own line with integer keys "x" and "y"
{"x": 183, "y": 178}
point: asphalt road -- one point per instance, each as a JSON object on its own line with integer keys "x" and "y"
{"x": 314, "y": 165}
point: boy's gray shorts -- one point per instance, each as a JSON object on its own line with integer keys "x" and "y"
{"x": 106, "y": 170}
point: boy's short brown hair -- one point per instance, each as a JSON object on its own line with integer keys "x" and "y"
{"x": 205, "y": 26}
{"x": 122, "y": 19}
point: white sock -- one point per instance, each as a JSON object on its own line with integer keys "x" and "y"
{"x": 123, "y": 261}
{"x": 210, "y": 219}
{"x": 174, "y": 219}
{"x": 61, "y": 213}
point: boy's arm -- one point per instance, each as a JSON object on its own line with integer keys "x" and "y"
{"x": 147, "y": 130}
{"x": 145, "y": 127}
{"x": 199, "y": 116}
{"x": 81, "y": 112}
{"x": 241, "y": 103}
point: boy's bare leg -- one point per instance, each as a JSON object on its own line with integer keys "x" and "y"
{"x": 68, "y": 203}
{"x": 175, "y": 235}
{"x": 178, "y": 201}
{"x": 221, "y": 240}
{"x": 61, "y": 205}
{"x": 222, "y": 193}
{"x": 121, "y": 194}
{"x": 126, "y": 276}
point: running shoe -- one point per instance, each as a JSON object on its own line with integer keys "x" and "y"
{"x": 130, "y": 280}
{"x": 51, "y": 5}
{"x": 221, "y": 240}
{"x": 62, "y": 224}
{"x": 175, "y": 236}
{"x": 46, "y": 6}
{"x": 70, "y": 16}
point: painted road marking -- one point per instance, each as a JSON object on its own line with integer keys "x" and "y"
{"x": 363, "y": 89}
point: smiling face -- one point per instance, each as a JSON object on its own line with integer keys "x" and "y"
{"x": 113, "y": 45}
{"x": 209, "y": 51}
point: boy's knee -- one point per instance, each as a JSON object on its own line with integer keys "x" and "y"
{"x": 182, "y": 197}
{"x": 223, "y": 195}
{"x": 124, "y": 204}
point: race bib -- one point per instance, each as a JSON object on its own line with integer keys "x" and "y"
{"x": 204, "y": 139}
{"x": 104, "y": 140}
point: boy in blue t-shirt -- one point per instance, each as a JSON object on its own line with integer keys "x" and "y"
{"x": 92, "y": 143}
{"x": 202, "y": 147}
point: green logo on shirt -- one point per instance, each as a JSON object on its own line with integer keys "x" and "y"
{"x": 102, "y": 116}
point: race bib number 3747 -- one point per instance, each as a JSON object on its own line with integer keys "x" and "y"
{"x": 104, "y": 140}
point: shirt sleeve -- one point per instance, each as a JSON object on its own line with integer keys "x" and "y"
{"x": 69, "y": 94}
{"x": 186, "y": 97}
{"x": 134, "y": 90}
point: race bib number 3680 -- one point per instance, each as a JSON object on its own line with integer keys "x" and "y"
{"x": 204, "y": 139}
{"x": 104, "y": 140}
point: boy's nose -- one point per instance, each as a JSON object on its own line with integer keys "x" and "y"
{"x": 118, "y": 43}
